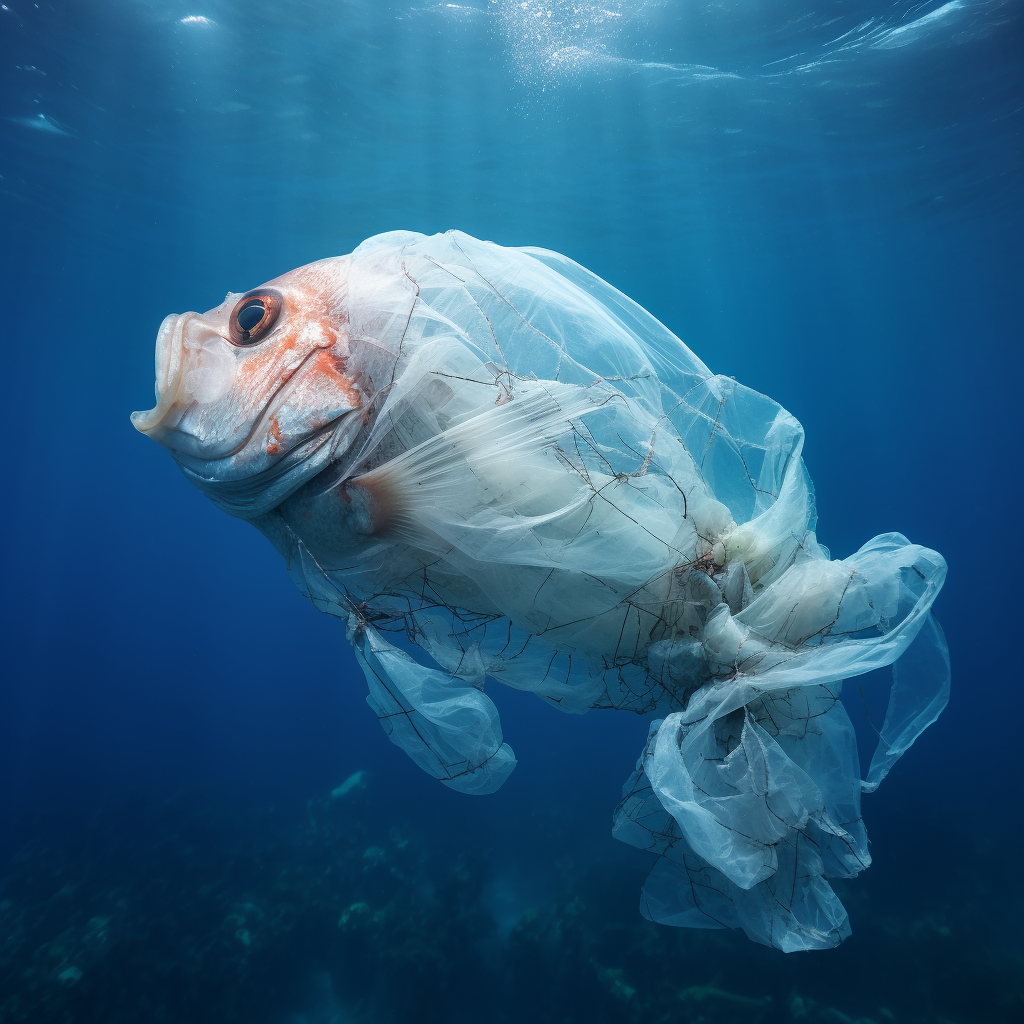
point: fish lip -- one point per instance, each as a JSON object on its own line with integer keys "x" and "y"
{"x": 169, "y": 362}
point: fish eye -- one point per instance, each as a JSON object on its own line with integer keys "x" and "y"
{"x": 254, "y": 316}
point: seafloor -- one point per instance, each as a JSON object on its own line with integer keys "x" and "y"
{"x": 143, "y": 915}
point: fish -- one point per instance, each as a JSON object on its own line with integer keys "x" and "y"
{"x": 501, "y": 462}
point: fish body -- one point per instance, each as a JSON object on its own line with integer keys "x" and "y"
{"x": 501, "y": 462}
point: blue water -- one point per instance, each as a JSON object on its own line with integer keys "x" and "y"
{"x": 823, "y": 200}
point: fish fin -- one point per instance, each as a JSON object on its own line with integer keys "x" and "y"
{"x": 469, "y": 463}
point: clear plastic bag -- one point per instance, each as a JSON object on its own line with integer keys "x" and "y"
{"x": 552, "y": 491}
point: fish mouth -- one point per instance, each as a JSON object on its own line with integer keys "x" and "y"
{"x": 169, "y": 352}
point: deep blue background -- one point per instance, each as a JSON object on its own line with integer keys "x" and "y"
{"x": 846, "y": 238}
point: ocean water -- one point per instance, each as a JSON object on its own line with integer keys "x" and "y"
{"x": 201, "y": 819}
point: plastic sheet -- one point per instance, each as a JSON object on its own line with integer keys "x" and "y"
{"x": 548, "y": 489}
{"x": 630, "y": 531}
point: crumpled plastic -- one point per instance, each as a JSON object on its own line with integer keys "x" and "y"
{"x": 583, "y": 510}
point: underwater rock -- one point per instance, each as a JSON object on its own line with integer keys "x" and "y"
{"x": 69, "y": 975}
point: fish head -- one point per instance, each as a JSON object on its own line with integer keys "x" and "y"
{"x": 258, "y": 394}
